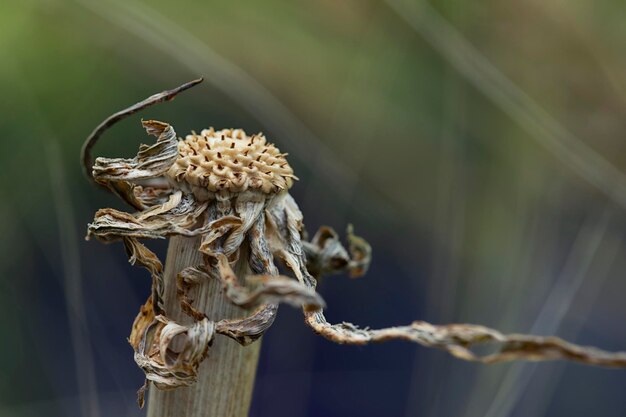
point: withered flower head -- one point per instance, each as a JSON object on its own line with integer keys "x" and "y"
{"x": 231, "y": 190}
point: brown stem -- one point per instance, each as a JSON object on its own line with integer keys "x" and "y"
{"x": 226, "y": 376}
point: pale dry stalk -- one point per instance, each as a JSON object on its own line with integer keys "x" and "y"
{"x": 226, "y": 376}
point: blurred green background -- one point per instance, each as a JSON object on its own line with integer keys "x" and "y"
{"x": 479, "y": 146}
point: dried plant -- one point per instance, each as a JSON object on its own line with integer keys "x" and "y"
{"x": 232, "y": 190}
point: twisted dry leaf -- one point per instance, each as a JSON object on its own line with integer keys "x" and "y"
{"x": 232, "y": 190}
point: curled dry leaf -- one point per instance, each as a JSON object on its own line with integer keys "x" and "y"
{"x": 233, "y": 190}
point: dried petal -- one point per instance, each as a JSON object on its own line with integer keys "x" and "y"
{"x": 177, "y": 216}
{"x": 169, "y": 366}
{"x": 150, "y": 162}
{"x": 249, "y": 329}
{"x": 270, "y": 289}
{"x": 326, "y": 255}
{"x": 138, "y": 253}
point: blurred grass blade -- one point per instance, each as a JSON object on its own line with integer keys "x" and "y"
{"x": 70, "y": 255}
{"x": 555, "y": 308}
{"x": 76, "y": 312}
{"x": 522, "y": 109}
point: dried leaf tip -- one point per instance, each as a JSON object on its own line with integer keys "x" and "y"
{"x": 92, "y": 139}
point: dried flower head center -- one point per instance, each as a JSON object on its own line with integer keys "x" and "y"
{"x": 229, "y": 160}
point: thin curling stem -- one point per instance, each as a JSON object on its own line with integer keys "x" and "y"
{"x": 92, "y": 139}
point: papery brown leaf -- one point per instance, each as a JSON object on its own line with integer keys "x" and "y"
{"x": 165, "y": 366}
{"x": 177, "y": 216}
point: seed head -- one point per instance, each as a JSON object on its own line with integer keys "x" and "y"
{"x": 229, "y": 160}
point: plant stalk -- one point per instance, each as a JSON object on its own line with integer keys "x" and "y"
{"x": 226, "y": 376}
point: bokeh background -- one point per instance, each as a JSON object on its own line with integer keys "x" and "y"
{"x": 479, "y": 146}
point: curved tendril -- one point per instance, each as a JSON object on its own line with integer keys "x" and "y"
{"x": 92, "y": 139}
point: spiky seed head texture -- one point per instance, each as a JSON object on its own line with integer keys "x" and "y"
{"x": 230, "y": 160}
